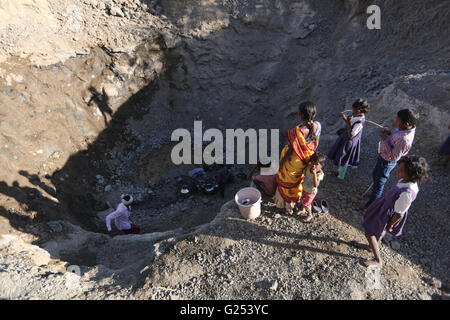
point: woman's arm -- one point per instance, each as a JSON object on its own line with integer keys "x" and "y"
{"x": 318, "y": 131}
{"x": 384, "y": 134}
{"x": 316, "y": 142}
{"x": 316, "y": 179}
{"x": 111, "y": 216}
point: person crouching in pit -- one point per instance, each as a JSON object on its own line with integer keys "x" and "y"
{"x": 122, "y": 217}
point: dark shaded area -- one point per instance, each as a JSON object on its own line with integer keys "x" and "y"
{"x": 74, "y": 182}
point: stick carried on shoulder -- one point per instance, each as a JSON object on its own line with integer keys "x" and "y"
{"x": 376, "y": 124}
{"x": 370, "y": 122}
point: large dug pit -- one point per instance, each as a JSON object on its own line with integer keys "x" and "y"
{"x": 78, "y": 133}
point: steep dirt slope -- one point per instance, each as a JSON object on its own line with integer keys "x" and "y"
{"x": 79, "y": 129}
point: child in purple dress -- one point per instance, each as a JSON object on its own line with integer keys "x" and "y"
{"x": 346, "y": 150}
{"x": 389, "y": 213}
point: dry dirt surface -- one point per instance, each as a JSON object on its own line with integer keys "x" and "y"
{"x": 90, "y": 92}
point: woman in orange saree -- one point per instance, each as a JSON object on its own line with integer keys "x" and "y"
{"x": 295, "y": 156}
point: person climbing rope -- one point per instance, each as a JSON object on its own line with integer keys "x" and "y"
{"x": 121, "y": 217}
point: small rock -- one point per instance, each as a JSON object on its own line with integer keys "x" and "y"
{"x": 158, "y": 10}
{"x": 82, "y": 52}
{"x": 395, "y": 245}
{"x": 274, "y": 285}
{"x": 55, "y": 226}
{"x": 388, "y": 237}
{"x": 436, "y": 283}
{"x": 116, "y": 11}
{"x": 108, "y": 3}
{"x": 108, "y": 188}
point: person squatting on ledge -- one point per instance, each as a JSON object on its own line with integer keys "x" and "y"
{"x": 122, "y": 217}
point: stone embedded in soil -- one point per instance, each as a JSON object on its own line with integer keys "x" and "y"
{"x": 55, "y": 226}
{"x": 274, "y": 285}
{"x": 436, "y": 283}
{"x": 116, "y": 11}
{"x": 395, "y": 244}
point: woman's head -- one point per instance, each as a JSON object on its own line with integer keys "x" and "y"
{"x": 317, "y": 160}
{"x": 413, "y": 169}
{"x": 307, "y": 111}
{"x": 127, "y": 199}
{"x": 360, "y": 106}
{"x": 406, "y": 118}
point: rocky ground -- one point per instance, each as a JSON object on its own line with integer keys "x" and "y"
{"x": 88, "y": 110}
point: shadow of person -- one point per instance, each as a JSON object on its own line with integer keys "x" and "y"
{"x": 31, "y": 201}
{"x": 102, "y": 102}
{"x": 35, "y": 180}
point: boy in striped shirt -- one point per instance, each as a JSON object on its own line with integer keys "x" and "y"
{"x": 393, "y": 146}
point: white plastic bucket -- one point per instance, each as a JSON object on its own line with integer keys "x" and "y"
{"x": 249, "y": 202}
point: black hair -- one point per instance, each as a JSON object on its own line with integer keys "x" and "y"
{"x": 408, "y": 116}
{"x": 318, "y": 158}
{"x": 362, "y": 105}
{"x": 416, "y": 168}
{"x": 308, "y": 110}
{"x": 126, "y": 197}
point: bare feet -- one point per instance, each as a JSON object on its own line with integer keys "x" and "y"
{"x": 308, "y": 219}
{"x": 371, "y": 263}
{"x": 300, "y": 212}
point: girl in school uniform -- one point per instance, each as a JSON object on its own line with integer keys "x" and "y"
{"x": 346, "y": 150}
{"x": 389, "y": 213}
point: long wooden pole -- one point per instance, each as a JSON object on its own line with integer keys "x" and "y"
{"x": 370, "y": 122}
